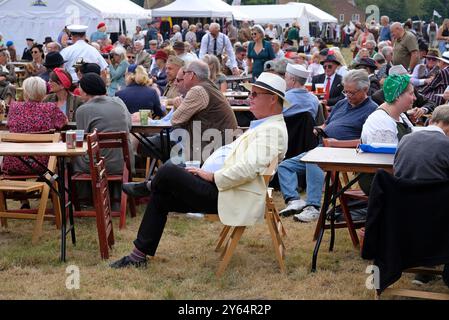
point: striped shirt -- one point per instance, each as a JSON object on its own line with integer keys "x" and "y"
{"x": 437, "y": 86}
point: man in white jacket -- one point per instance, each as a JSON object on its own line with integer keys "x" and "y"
{"x": 230, "y": 182}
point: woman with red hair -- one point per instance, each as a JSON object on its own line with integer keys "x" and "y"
{"x": 61, "y": 93}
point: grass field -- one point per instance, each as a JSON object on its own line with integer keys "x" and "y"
{"x": 185, "y": 265}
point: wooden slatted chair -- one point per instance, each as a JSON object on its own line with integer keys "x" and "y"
{"x": 230, "y": 236}
{"x": 108, "y": 140}
{"x": 14, "y": 184}
{"x": 411, "y": 293}
{"x": 350, "y": 194}
{"x": 101, "y": 199}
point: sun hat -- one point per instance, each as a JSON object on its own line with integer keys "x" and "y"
{"x": 270, "y": 82}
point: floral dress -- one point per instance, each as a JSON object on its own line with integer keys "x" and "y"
{"x": 27, "y": 117}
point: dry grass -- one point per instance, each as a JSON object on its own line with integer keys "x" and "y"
{"x": 184, "y": 267}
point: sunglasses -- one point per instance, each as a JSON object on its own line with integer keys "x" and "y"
{"x": 328, "y": 66}
{"x": 34, "y": 51}
{"x": 254, "y": 94}
{"x": 254, "y": 34}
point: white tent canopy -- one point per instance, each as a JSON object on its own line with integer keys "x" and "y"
{"x": 302, "y": 13}
{"x": 21, "y": 19}
{"x": 199, "y": 9}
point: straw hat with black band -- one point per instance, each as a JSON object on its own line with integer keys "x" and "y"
{"x": 272, "y": 83}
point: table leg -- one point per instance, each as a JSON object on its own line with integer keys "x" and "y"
{"x": 332, "y": 213}
{"x": 322, "y": 220}
{"x": 61, "y": 178}
{"x": 64, "y": 205}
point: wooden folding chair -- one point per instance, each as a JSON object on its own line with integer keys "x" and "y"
{"x": 102, "y": 200}
{"x": 13, "y": 184}
{"x": 108, "y": 140}
{"x": 411, "y": 293}
{"x": 230, "y": 236}
{"x": 350, "y": 194}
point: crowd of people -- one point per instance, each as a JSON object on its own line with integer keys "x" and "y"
{"x": 395, "y": 81}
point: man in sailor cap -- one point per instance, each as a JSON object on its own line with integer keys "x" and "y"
{"x": 81, "y": 49}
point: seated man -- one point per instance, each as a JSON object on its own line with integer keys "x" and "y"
{"x": 230, "y": 183}
{"x": 344, "y": 123}
{"x": 204, "y": 107}
{"x": 331, "y": 80}
{"x": 370, "y": 66}
{"x": 106, "y": 114}
{"x": 424, "y": 155}
{"x": 297, "y": 95}
{"x": 439, "y": 83}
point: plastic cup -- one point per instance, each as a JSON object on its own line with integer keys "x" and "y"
{"x": 308, "y": 86}
{"x": 144, "y": 114}
{"x": 319, "y": 88}
{"x": 193, "y": 164}
{"x": 163, "y": 101}
{"x": 79, "y": 138}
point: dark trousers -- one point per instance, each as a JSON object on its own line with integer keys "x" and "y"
{"x": 173, "y": 189}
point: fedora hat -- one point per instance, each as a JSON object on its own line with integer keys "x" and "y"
{"x": 330, "y": 58}
{"x": 48, "y": 40}
{"x": 270, "y": 82}
{"x": 178, "y": 45}
{"x": 54, "y": 59}
{"x": 444, "y": 57}
{"x": 432, "y": 54}
{"x": 366, "y": 62}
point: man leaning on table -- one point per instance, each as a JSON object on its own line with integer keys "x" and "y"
{"x": 344, "y": 123}
{"x": 230, "y": 182}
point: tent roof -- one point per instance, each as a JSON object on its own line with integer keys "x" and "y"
{"x": 283, "y": 13}
{"x": 315, "y": 14}
{"x": 105, "y": 9}
{"x": 112, "y": 9}
{"x": 199, "y": 9}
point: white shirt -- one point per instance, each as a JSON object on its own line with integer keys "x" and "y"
{"x": 342, "y": 71}
{"x": 332, "y": 78}
{"x": 81, "y": 50}
{"x": 271, "y": 33}
{"x": 223, "y": 45}
{"x": 176, "y": 37}
{"x": 315, "y": 70}
{"x": 381, "y": 128}
{"x": 280, "y": 54}
{"x": 188, "y": 57}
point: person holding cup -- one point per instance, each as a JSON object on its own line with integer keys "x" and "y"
{"x": 330, "y": 81}
{"x": 231, "y": 175}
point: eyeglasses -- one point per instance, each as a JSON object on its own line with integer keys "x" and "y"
{"x": 328, "y": 66}
{"x": 179, "y": 80}
{"x": 34, "y": 51}
{"x": 254, "y": 94}
{"x": 254, "y": 34}
{"x": 349, "y": 93}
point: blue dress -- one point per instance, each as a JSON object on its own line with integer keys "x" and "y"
{"x": 266, "y": 54}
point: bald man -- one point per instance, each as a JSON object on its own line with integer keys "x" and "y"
{"x": 405, "y": 50}
{"x": 217, "y": 43}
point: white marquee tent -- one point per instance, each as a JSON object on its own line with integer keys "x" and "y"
{"x": 200, "y": 9}
{"x": 21, "y": 19}
{"x": 288, "y": 13}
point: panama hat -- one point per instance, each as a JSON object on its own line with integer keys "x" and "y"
{"x": 270, "y": 82}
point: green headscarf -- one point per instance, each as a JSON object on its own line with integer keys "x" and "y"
{"x": 394, "y": 86}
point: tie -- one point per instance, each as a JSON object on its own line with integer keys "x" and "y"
{"x": 215, "y": 46}
{"x": 328, "y": 89}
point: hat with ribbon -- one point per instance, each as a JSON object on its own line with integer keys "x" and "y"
{"x": 272, "y": 83}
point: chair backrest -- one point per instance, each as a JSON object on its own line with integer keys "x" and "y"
{"x": 116, "y": 140}
{"x": 270, "y": 171}
{"x": 334, "y": 143}
{"x": 103, "y": 210}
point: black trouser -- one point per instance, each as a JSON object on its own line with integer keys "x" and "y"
{"x": 173, "y": 189}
